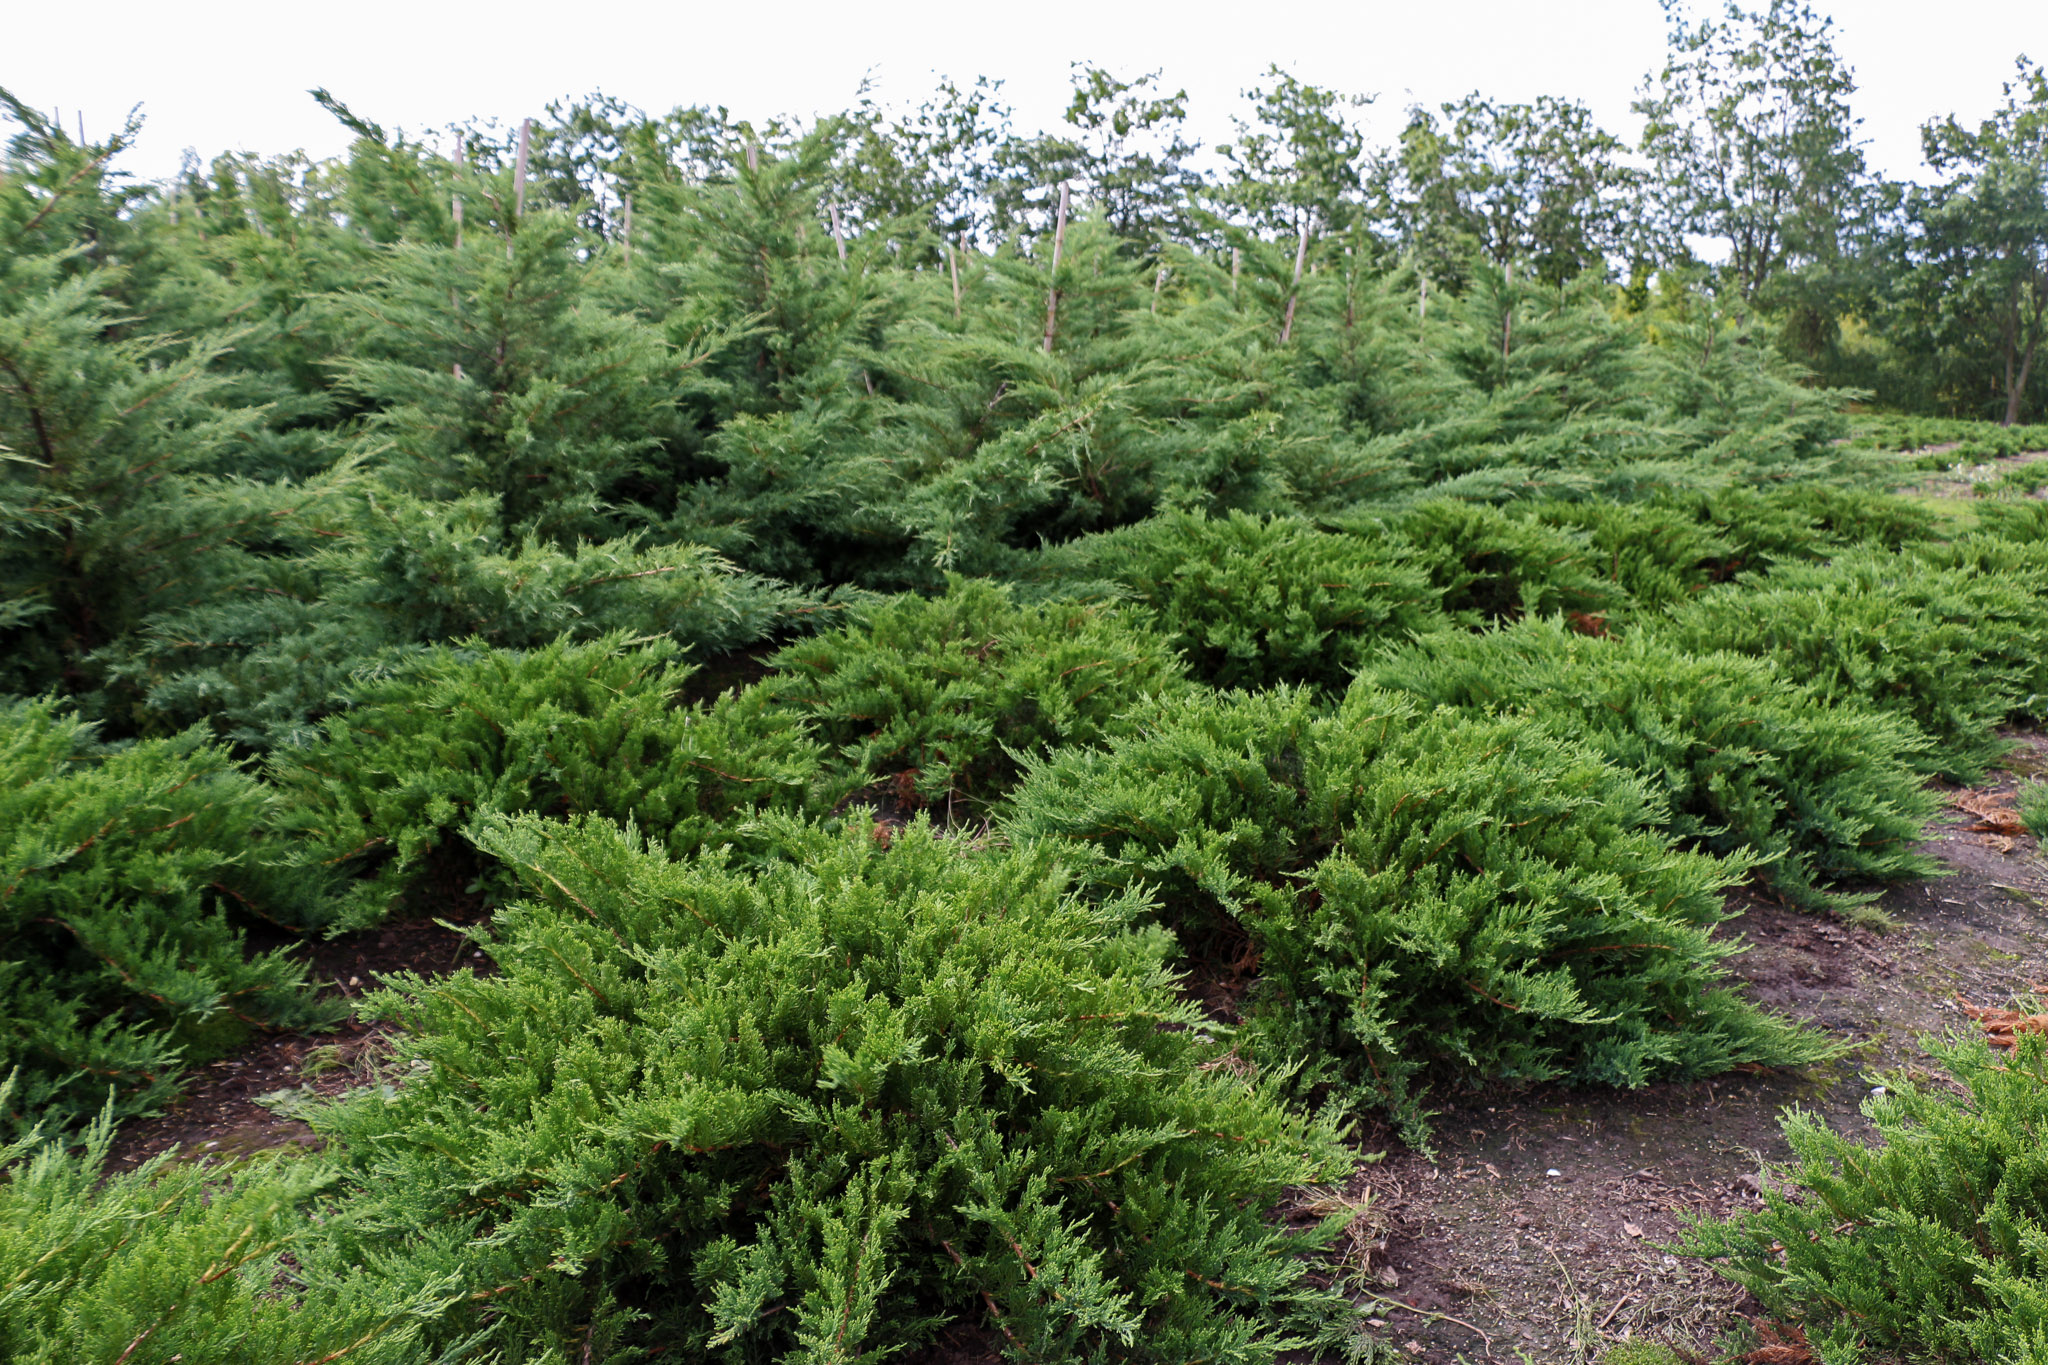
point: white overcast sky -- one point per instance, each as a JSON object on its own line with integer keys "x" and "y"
{"x": 217, "y": 75}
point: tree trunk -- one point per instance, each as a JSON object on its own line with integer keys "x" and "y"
{"x": 1052, "y": 294}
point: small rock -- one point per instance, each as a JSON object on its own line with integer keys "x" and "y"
{"x": 1631, "y": 1229}
{"x": 355, "y": 981}
{"x": 1553, "y": 1172}
{"x": 1877, "y": 1092}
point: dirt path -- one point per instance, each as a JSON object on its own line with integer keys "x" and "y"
{"x": 1965, "y": 480}
{"x": 1539, "y": 1226}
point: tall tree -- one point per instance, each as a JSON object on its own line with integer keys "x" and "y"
{"x": 1540, "y": 185}
{"x": 1977, "y": 294}
{"x": 1125, "y": 149}
{"x": 1751, "y": 141}
{"x": 1300, "y": 157}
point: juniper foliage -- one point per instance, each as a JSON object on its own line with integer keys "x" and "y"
{"x": 1488, "y": 566}
{"x": 1746, "y": 763}
{"x": 1429, "y": 896}
{"x": 121, "y": 872}
{"x": 562, "y": 730}
{"x": 1928, "y": 1244}
{"x": 943, "y": 698}
{"x": 1954, "y": 651}
{"x": 1251, "y": 602}
{"x": 818, "y": 1113}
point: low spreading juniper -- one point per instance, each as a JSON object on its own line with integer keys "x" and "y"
{"x": 123, "y": 873}
{"x": 1429, "y": 897}
{"x": 1746, "y": 762}
{"x": 562, "y": 730}
{"x": 820, "y": 1112}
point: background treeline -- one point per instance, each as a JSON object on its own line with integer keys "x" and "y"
{"x": 892, "y": 614}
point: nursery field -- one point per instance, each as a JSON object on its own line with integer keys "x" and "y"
{"x": 705, "y": 776}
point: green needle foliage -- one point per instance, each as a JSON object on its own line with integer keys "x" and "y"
{"x": 1953, "y": 650}
{"x": 1804, "y": 521}
{"x": 944, "y": 698}
{"x": 170, "y": 1262}
{"x": 1429, "y": 896}
{"x": 415, "y": 487}
{"x": 562, "y": 730}
{"x": 1932, "y": 1244}
{"x": 1655, "y": 554}
{"x": 119, "y": 960}
{"x": 2033, "y": 807}
{"x": 1251, "y": 602}
{"x": 1747, "y": 764}
{"x": 814, "y": 1115}
{"x": 1487, "y": 566}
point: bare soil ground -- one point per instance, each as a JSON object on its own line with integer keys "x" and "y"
{"x": 219, "y": 1115}
{"x": 1538, "y": 1233}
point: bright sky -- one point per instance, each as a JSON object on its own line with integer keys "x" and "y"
{"x": 232, "y": 74}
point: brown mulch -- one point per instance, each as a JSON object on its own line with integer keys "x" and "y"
{"x": 219, "y": 1115}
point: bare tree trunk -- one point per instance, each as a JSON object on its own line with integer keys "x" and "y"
{"x": 953, "y": 264}
{"x": 1236, "y": 263}
{"x": 1300, "y": 257}
{"x": 519, "y": 168}
{"x": 626, "y": 229}
{"x": 839, "y": 236}
{"x": 2016, "y": 389}
{"x": 455, "y": 200}
{"x": 1507, "y": 315}
{"x": 519, "y": 181}
{"x": 1052, "y": 295}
